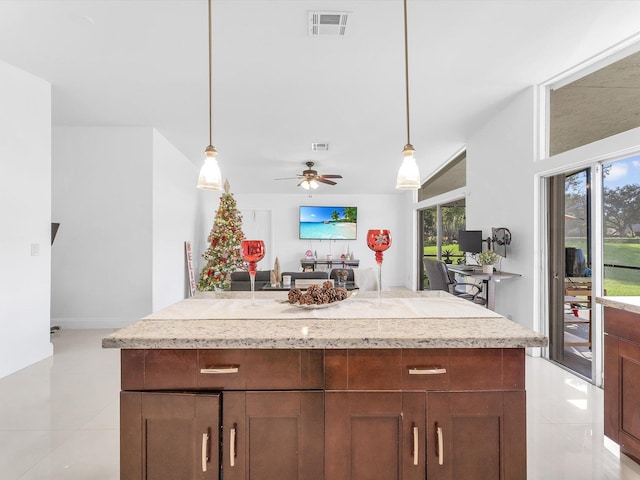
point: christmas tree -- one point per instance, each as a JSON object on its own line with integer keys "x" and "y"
{"x": 224, "y": 254}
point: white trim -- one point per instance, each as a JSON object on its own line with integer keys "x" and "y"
{"x": 450, "y": 196}
{"x": 615, "y": 147}
{"x": 92, "y": 323}
{"x": 596, "y": 62}
{"x": 597, "y": 273}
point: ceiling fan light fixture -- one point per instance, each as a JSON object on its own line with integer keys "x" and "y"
{"x": 313, "y": 184}
{"x": 210, "y": 177}
{"x": 409, "y": 174}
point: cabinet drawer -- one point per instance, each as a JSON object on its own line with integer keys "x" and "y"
{"x": 390, "y": 369}
{"x": 221, "y": 369}
{"x": 622, "y": 324}
{"x": 425, "y": 369}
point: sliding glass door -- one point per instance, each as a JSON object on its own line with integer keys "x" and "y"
{"x": 439, "y": 226}
{"x": 571, "y": 287}
{"x": 585, "y": 260}
{"x": 621, "y": 232}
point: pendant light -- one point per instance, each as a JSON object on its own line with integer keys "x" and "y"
{"x": 210, "y": 177}
{"x": 408, "y": 175}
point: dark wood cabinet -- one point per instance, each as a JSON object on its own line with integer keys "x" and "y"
{"x": 622, "y": 380}
{"x": 361, "y": 414}
{"x": 169, "y": 435}
{"x": 375, "y": 435}
{"x": 476, "y": 435}
{"x": 273, "y": 435}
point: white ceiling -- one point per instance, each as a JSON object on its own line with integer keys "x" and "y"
{"x": 276, "y": 89}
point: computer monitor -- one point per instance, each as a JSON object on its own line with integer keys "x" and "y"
{"x": 470, "y": 241}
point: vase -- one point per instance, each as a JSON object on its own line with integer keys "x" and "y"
{"x": 487, "y": 269}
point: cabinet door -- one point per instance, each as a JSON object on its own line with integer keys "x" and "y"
{"x": 629, "y": 398}
{"x": 476, "y": 435}
{"x": 273, "y": 435}
{"x": 169, "y": 435}
{"x": 375, "y": 435}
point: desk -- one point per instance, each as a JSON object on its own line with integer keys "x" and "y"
{"x": 313, "y": 264}
{"x": 489, "y": 279}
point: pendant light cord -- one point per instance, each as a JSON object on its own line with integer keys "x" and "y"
{"x": 210, "y": 80}
{"x": 406, "y": 72}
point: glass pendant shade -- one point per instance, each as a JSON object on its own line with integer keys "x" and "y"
{"x": 408, "y": 175}
{"x": 313, "y": 184}
{"x": 210, "y": 177}
{"x": 305, "y": 185}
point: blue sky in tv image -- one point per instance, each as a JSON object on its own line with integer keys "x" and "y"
{"x": 320, "y": 214}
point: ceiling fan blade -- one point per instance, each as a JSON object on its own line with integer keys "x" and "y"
{"x": 324, "y": 180}
{"x": 331, "y": 176}
{"x": 288, "y": 178}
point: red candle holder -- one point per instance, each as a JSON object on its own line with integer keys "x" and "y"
{"x": 252, "y": 252}
{"x": 379, "y": 240}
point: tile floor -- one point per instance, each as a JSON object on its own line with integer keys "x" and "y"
{"x": 59, "y": 419}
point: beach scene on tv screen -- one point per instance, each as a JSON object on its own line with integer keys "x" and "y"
{"x": 330, "y": 223}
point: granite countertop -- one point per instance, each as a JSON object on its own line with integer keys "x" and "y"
{"x": 403, "y": 320}
{"x": 630, "y": 304}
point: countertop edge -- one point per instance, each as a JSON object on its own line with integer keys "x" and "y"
{"x": 629, "y": 304}
{"x": 325, "y": 344}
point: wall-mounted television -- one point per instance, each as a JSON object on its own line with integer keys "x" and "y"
{"x": 328, "y": 223}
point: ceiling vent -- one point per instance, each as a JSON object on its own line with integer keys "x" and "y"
{"x": 327, "y": 23}
{"x": 319, "y": 147}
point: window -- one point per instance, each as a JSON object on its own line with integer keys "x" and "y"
{"x": 450, "y": 177}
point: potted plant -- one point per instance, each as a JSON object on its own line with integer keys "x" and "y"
{"x": 447, "y": 252}
{"x": 488, "y": 259}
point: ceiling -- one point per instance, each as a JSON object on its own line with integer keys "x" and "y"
{"x": 276, "y": 89}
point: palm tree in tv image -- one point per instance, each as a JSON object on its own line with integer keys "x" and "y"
{"x": 351, "y": 214}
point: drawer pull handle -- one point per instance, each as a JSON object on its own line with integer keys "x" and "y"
{"x": 219, "y": 370}
{"x": 439, "y": 445}
{"x": 415, "y": 445}
{"x": 205, "y": 458}
{"x": 436, "y": 370}
{"x": 232, "y": 446}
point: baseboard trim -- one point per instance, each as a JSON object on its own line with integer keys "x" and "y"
{"x": 91, "y": 323}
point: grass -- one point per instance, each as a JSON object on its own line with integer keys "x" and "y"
{"x": 617, "y": 281}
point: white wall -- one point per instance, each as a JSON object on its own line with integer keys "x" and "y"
{"x": 102, "y": 197}
{"x": 25, "y": 216}
{"x": 175, "y": 215}
{"x": 374, "y": 211}
{"x": 501, "y": 193}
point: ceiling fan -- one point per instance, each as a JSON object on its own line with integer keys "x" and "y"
{"x": 309, "y": 178}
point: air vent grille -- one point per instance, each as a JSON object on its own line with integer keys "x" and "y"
{"x": 328, "y": 23}
{"x": 319, "y": 147}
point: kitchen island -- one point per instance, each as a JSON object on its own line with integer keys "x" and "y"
{"x": 424, "y": 385}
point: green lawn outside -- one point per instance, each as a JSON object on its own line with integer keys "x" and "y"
{"x": 617, "y": 281}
